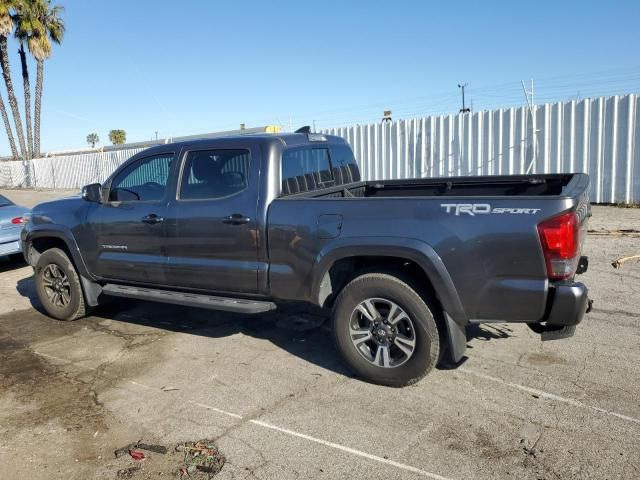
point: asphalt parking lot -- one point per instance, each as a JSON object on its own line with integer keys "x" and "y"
{"x": 271, "y": 391}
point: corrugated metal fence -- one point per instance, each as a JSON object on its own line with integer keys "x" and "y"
{"x": 65, "y": 171}
{"x": 598, "y": 136}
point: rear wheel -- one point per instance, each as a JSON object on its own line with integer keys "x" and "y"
{"x": 58, "y": 286}
{"x": 385, "y": 331}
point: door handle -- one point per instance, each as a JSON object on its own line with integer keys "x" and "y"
{"x": 152, "y": 219}
{"x": 236, "y": 219}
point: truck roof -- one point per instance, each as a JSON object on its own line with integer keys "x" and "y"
{"x": 287, "y": 139}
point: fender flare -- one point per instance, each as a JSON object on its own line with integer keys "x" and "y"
{"x": 411, "y": 249}
{"x": 61, "y": 233}
{"x": 91, "y": 289}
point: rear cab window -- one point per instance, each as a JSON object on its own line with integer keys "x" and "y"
{"x": 344, "y": 166}
{"x": 310, "y": 168}
{"x": 213, "y": 174}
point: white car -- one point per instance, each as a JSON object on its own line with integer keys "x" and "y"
{"x": 12, "y": 219}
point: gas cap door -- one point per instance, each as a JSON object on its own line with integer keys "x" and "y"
{"x": 329, "y": 225}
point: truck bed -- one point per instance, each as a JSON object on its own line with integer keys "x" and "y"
{"x": 487, "y": 186}
{"x": 483, "y": 230}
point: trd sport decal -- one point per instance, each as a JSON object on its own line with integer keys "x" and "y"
{"x": 474, "y": 209}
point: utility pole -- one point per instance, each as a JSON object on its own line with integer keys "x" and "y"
{"x": 464, "y": 108}
{"x": 527, "y": 93}
{"x": 534, "y": 141}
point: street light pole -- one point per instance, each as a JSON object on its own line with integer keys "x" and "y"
{"x": 464, "y": 109}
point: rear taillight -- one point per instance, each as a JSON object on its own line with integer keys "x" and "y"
{"x": 18, "y": 220}
{"x": 560, "y": 238}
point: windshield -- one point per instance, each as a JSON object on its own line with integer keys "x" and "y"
{"x": 4, "y": 201}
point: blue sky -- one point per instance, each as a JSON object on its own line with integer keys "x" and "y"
{"x": 189, "y": 67}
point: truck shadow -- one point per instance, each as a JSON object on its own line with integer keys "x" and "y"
{"x": 296, "y": 328}
{"x": 300, "y": 329}
{"x": 479, "y": 332}
{"x": 13, "y": 262}
{"x": 487, "y": 331}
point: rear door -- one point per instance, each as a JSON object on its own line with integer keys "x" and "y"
{"x": 213, "y": 233}
{"x": 130, "y": 227}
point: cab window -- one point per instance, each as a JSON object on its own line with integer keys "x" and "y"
{"x": 211, "y": 174}
{"x": 343, "y": 165}
{"x": 142, "y": 181}
{"x": 305, "y": 169}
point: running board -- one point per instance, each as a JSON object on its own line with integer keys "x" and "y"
{"x": 239, "y": 305}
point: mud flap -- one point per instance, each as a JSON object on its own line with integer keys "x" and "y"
{"x": 457, "y": 339}
{"x": 552, "y": 332}
{"x": 564, "y": 332}
{"x": 92, "y": 291}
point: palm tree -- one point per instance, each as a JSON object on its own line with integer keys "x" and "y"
{"x": 24, "y": 21}
{"x": 27, "y": 100}
{"x": 43, "y": 27}
{"x": 117, "y": 137}
{"x": 92, "y": 139}
{"x": 6, "y": 27}
{"x": 7, "y": 126}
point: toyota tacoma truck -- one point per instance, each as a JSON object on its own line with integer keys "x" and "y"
{"x": 244, "y": 223}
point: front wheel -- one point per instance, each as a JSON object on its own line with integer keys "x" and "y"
{"x": 385, "y": 331}
{"x": 58, "y": 286}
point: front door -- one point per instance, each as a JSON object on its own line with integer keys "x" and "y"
{"x": 212, "y": 228}
{"x": 130, "y": 227}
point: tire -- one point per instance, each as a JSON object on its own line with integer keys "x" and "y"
{"x": 352, "y": 317}
{"x": 58, "y": 286}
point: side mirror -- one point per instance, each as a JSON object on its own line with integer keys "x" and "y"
{"x": 92, "y": 193}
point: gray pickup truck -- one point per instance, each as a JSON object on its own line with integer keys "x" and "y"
{"x": 242, "y": 223}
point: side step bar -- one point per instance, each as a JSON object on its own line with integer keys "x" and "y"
{"x": 189, "y": 299}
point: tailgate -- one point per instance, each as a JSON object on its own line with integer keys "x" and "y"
{"x": 577, "y": 190}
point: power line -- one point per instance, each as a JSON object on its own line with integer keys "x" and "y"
{"x": 501, "y": 95}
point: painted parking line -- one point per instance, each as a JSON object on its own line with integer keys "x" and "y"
{"x": 550, "y": 396}
{"x": 64, "y": 361}
{"x": 524, "y": 388}
{"x": 386, "y": 461}
{"x": 336, "y": 446}
{"x": 352, "y": 451}
{"x": 223, "y": 412}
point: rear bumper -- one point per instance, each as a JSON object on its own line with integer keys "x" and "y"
{"x": 569, "y": 302}
{"x": 10, "y": 248}
{"x": 10, "y": 242}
